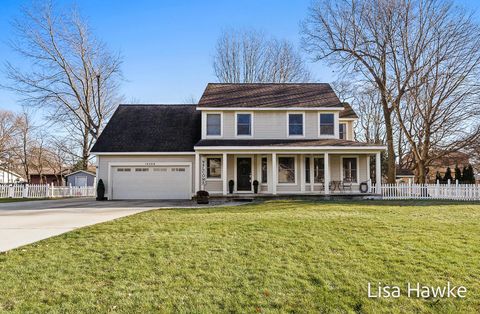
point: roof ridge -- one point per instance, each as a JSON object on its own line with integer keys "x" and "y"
{"x": 157, "y": 105}
{"x": 265, "y": 83}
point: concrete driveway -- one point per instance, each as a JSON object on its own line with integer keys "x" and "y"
{"x": 27, "y": 222}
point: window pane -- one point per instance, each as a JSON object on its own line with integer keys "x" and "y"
{"x": 319, "y": 170}
{"x": 342, "y": 131}
{"x": 350, "y": 169}
{"x": 286, "y": 170}
{"x": 243, "y": 118}
{"x": 264, "y": 170}
{"x": 213, "y": 124}
{"x": 327, "y": 123}
{"x": 295, "y": 124}
{"x": 295, "y": 129}
{"x": 214, "y": 167}
{"x": 243, "y": 129}
{"x": 326, "y": 118}
{"x": 307, "y": 169}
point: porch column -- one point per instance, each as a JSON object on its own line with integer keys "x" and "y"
{"x": 378, "y": 173}
{"x": 224, "y": 173}
{"x": 312, "y": 174}
{"x": 274, "y": 174}
{"x": 327, "y": 174}
{"x": 196, "y": 174}
{"x": 302, "y": 173}
{"x": 369, "y": 178}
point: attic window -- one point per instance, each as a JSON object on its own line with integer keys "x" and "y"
{"x": 327, "y": 124}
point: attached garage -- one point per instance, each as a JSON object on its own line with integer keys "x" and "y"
{"x": 151, "y": 182}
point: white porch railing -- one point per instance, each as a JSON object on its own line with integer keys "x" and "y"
{"x": 45, "y": 191}
{"x": 459, "y": 192}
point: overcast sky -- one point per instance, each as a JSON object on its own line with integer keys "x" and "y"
{"x": 168, "y": 45}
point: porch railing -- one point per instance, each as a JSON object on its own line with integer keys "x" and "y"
{"x": 459, "y": 192}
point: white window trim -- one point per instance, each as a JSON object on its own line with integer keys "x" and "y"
{"x": 251, "y": 124}
{"x": 335, "y": 125}
{"x": 204, "y": 123}
{"x": 294, "y": 167}
{"x": 252, "y": 158}
{"x": 221, "y": 168}
{"x": 358, "y": 167}
{"x": 288, "y": 124}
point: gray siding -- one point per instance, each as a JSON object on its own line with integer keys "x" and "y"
{"x": 72, "y": 178}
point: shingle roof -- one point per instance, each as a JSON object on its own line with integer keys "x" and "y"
{"x": 287, "y": 142}
{"x": 348, "y": 111}
{"x": 269, "y": 95}
{"x": 151, "y": 128}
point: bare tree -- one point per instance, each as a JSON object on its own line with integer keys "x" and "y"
{"x": 24, "y": 142}
{"x": 71, "y": 74}
{"x": 372, "y": 38}
{"x": 249, "y": 57}
{"x": 440, "y": 113}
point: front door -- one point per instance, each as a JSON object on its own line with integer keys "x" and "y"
{"x": 244, "y": 174}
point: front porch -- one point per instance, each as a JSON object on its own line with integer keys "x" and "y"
{"x": 288, "y": 173}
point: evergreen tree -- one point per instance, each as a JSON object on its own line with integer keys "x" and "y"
{"x": 448, "y": 175}
{"x": 438, "y": 177}
{"x": 470, "y": 175}
{"x": 458, "y": 174}
{"x": 465, "y": 175}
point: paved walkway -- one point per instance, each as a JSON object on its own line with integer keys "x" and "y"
{"x": 27, "y": 222}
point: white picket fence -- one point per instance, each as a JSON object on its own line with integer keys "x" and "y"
{"x": 45, "y": 191}
{"x": 459, "y": 192}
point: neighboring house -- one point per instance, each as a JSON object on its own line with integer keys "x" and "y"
{"x": 404, "y": 175}
{"x": 80, "y": 178}
{"x": 8, "y": 176}
{"x": 47, "y": 176}
{"x": 291, "y": 138}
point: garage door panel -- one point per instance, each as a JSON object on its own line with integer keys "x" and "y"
{"x": 153, "y": 182}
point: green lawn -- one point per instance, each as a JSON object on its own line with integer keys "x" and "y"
{"x": 282, "y": 256}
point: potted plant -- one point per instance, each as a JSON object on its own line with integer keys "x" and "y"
{"x": 101, "y": 191}
{"x": 231, "y": 183}
{"x": 255, "y": 186}
{"x": 202, "y": 197}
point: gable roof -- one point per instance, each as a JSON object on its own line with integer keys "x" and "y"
{"x": 269, "y": 95}
{"x": 151, "y": 128}
{"x": 348, "y": 111}
{"x": 83, "y": 171}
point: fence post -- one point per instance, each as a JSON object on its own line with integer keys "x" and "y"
{"x": 70, "y": 190}
{"x": 25, "y": 191}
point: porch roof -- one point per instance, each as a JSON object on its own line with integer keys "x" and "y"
{"x": 284, "y": 143}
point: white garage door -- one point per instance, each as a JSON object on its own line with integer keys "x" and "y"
{"x": 158, "y": 182}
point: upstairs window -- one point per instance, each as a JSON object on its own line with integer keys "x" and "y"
{"x": 295, "y": 124}
{"x": 327, "y": 124}
{"x": 342, "y": 131}
{"x": 244, "y": 124}
{"x": 214, "y": 124}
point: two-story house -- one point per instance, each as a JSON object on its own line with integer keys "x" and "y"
{"x": 289, "y": 138}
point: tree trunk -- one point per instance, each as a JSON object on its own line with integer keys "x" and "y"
{"x": 387, "y": 114}
{"x": 421, "y": 171}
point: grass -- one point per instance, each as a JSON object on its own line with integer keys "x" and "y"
{"x": 279, "y": 256}
{"x": 14, "y": 200}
